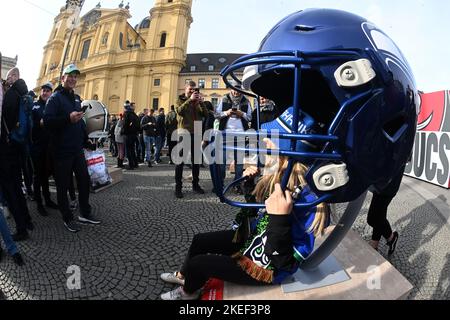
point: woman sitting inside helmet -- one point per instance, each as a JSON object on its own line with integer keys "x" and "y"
{"x": 268, "y": 245}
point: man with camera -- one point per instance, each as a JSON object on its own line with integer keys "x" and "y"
{"x": 234, "y": 113}
{"x": 190, "y": 109}
{"x": 63, "y": 117}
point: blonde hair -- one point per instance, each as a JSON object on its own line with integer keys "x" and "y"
{"x": 265, "y": 187}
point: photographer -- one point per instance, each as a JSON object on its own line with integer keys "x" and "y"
{"x": 235, "y": 114}
{"x": 190, "y": 109}
{"x": 63, "y": 117}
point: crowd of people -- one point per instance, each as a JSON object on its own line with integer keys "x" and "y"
{"x": 41, "y": 138}
{"x": 55, "y": 148}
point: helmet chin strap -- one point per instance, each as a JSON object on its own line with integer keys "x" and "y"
{"x": 336, "y": 236}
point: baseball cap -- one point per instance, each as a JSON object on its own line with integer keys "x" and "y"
{"x": 71, "y": 68}
{"x": 47, "y": 85}
{"x": 283, "y": 124}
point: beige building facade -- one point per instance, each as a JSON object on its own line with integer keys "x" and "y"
{"x": 204, "y": 69}
{"x": 147, "y": 64}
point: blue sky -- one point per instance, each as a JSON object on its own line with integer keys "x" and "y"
{"x": 419, "y": 27}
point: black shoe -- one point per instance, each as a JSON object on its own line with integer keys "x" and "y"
{"x": 179, "y": 194}
{"x": 150, "y": 164}
{"x": 393, "y": 243}
{"x": 120, "y": 164}
{"x": 198, "y": 190}
{"x": 42, "y": 210}
{"x": 22, "y": 236}
{"x": 130, "y": 168}
{"x": 89, "y": 219}
{"x": 71, "y": 226}
{"x": 51, "y": 205}
{"x": 18, "y": 259}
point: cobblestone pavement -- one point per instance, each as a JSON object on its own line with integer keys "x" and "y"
{"x": 145, "y": 232}
{"x": 422, "y": 253}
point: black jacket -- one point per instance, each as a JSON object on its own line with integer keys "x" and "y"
{"x": 11, "y": 103}
{"x": 67, "y": 138}
{"x": 40, "y": 136}
{"x": 161, "y": 126}
{"x": 148, "y": 124}
{"x": 132, "y": 125}
{"x": 10, "y": 114}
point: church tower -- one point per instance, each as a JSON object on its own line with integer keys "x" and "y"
{"x": 167, "y": 40}
{"x": 54, "y": 48}
{"x": 119, "y": 62}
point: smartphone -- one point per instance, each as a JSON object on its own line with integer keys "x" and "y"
{"x": 84, "y": 108}
{"x": 234, "y": 109}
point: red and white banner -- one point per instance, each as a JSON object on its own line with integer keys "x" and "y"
{"x": 431, "y": 154}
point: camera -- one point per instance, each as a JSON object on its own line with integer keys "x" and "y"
{"x": 197, "y": 90}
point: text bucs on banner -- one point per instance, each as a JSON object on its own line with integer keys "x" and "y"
{"x": 431, "y": 154}
{"x": 430, "y": 158}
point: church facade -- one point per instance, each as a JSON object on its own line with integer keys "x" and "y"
{"x": 147, "y": 64}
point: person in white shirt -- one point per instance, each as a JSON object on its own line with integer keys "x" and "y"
{"x": 234, "y": 114}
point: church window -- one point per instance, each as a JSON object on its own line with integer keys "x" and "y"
{"x": 162, "y": 44}
{"x": 157, "y": 82}
{"x": 215, "y": 83}
{"x": 105, "y": 39}
{"x": 155, "y": 103}
{"x": 211, "y": 68}
{"x": 193, "y": 68}
{"x": 85, "y": 51}
{"x": 201, "y": 83}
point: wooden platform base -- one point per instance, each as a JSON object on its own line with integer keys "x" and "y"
{"x": 372, "y": 278}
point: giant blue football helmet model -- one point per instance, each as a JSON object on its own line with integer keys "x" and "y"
{"x": 352, "y": 79}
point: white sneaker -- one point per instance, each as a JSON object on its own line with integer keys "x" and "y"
{"x": 179, "y": 294}
{"x": 172, "y": 278}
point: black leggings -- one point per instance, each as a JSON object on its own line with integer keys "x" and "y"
{"x": 377, "y": 217}
{"x": 210, "y": 257}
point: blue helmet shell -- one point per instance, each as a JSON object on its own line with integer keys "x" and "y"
{"x": 371, "y": 127}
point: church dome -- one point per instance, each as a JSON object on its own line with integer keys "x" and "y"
{"x": 144, "y": 24}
